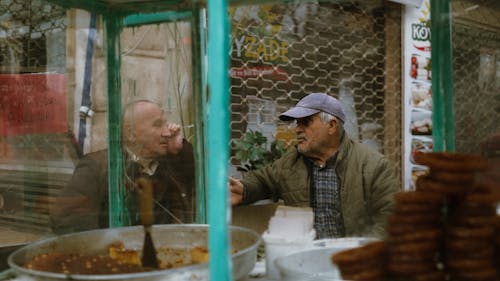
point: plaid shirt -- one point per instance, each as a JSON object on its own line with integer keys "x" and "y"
{"x": 328, "y": 220}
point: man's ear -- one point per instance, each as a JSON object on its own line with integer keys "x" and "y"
{"x": 128, "y": 133}
{"x": 333, "y": 125}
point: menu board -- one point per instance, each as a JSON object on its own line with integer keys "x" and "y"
{"x": 417, "y": 89}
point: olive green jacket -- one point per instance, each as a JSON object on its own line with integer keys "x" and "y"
{"x": 367, "y": 185}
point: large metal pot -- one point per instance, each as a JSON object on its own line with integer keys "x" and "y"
{"x": 244, "y": 243}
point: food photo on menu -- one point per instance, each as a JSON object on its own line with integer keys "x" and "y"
{"x": 421, "y": 122}
{"x": 416, "y": 172}
{"x": 420, "y": 144}
{"x": 420, "y": 67}
{"x": 421, "y": 95}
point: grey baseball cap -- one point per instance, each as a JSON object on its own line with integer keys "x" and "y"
{"x": 312, "y": 104}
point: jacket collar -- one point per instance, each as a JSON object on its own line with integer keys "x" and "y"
{"x": 146, "y": 168}
{"x": 342, "y": 152}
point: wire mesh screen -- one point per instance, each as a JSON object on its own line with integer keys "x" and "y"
{"x": 476, "y": 72}
{"x": 28, "y": 28}
{"x": 348, "y": 49}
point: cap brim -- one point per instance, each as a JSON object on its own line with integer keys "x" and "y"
{"x": 297, "y": 113}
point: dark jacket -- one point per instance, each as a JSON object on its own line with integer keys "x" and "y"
{"x": 84, "y": 203}
{"x": 367, "y": 186}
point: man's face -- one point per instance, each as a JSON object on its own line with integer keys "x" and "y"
{"x": 312, "y": 135}
{"x": 149, "y": 131}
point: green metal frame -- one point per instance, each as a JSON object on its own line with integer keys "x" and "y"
{"x": 199, "y": 54}
{"x": 117, "y": 207}
{"x": 92, "y": 6}
{"x": 140, "y": 19}
{"x": 125, "y": 8}
{"x": 215, "y": 148}
{"x": 218, "y": 119}
{"x": 116, "y": 17}
{"x": 114, "y": 23}
{"x": 443, "y": 118}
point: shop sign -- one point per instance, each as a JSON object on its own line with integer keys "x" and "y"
{"x": 253, "y": 41}
{"x": 274, "y": 73}
{"x": 32, "y": 104}
{"x": 421, "y": 32}
{"x": 266, "y": 49}
{"x": 417, "y": 89}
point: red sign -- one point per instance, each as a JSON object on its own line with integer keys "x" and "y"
{"x": 256, "y": 71}
{"x": 32, "y": 104}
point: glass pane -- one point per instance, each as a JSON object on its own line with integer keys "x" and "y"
{"x": 476, "y": 83}
{"x": 38, "y": 147}
{"x": 157, "y": 134}
{"x": 476, "y": 74}
{"x": 54, "y": 128}
{"x": 156, "y": 66}
{"x": 72, "y": 208}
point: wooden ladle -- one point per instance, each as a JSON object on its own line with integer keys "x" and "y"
{"x": 145, "y": 184}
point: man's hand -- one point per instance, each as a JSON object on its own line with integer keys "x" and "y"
{"x": 174, "y": 136}
{"x": 236, "y": 189}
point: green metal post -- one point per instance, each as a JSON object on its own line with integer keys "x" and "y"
{"x": 443, "y": 118}
{"x": 117, "y": 209}
{"x": 218, "y": 140}
{"x": 198, "y": 29}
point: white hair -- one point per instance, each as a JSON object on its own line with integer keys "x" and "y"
{"x": 327, "y": 117}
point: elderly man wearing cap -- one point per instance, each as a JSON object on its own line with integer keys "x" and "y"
{"x": 349, "y": 186}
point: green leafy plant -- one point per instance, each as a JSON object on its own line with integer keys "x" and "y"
{"x": 253, "y": 151}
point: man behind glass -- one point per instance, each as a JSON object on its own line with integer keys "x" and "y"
{"x": 151, "y": 148}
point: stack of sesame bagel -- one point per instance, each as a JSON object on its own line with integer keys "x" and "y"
{"x": 446, "y": 229}
{"x": 415, "y": 235}
{"x": 362, "y": 263}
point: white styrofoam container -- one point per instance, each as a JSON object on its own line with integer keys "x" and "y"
{"x": 278, "y": 246}
{"x": 315, "y": 263}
